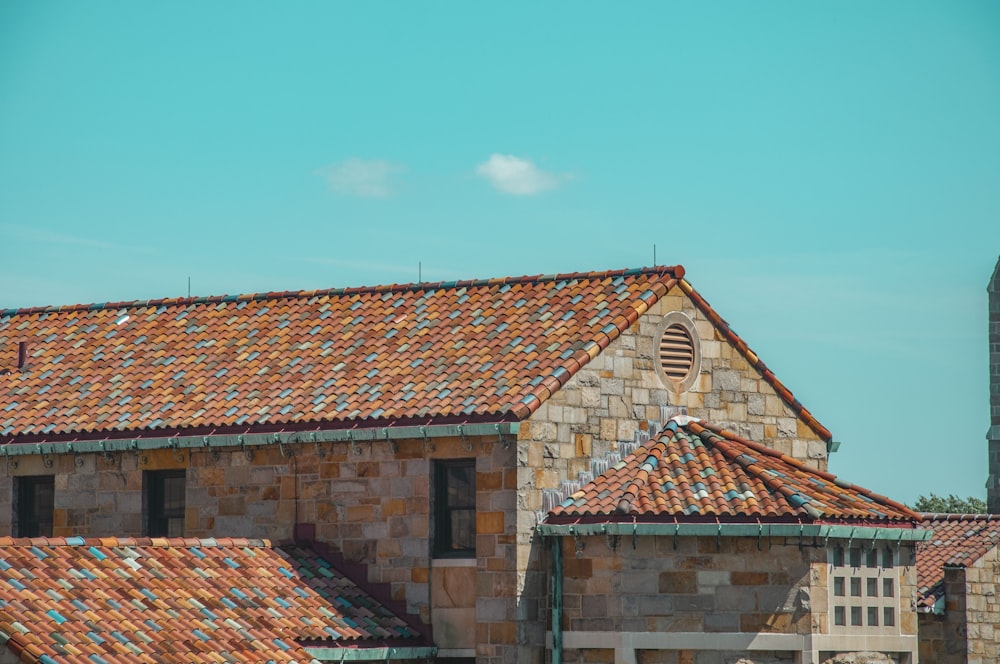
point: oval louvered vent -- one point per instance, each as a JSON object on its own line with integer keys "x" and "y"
{"x": 676, "y": 352}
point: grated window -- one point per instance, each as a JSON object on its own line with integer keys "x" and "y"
{"x": 676, "y": 352}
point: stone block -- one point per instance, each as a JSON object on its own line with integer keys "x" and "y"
{"x": 656, "y": 605}
{"x": 722, "y": 622}
{"x": 787, "y": 427}
{"x": 489, "y": 522}
{"x": 725, "y": 379}
{"x": 678, "y": 582}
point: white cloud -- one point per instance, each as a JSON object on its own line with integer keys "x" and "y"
{"x": 520, "y": 177}
{"x": 368, "y": 178}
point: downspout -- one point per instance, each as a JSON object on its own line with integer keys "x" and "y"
{"x": 557, "y": 600}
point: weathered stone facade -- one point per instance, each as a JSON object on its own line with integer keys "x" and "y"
{"x": 993, "y": 435}
{"x": 968, "y": 631}
{"x": 372, "y": 501}
{"x": 369, "y": 501}
{"x": 619, "y": 393}
{"x": 713, "y": 600}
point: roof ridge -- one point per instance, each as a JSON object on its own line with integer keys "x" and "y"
{"x": 641, "y": 477}
{"x": 755, "y": 361}
{"x": 721, "y": 442}
{"x": 611, "y": 331}
{"x": 957, "y": 516}
{"x": 677, "y": 271}
{"x": 801, "y": 465}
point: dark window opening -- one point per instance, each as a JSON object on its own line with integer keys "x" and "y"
{"x": 455, "y": 509}
{"x": 35, "y": 503}
{"x": 165, "y": 503}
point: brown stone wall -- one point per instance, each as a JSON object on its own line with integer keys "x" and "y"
{"x": 942, "y": 638}
{"x": 969, "y": 630}
{"x": 982, "y": 608}
{"x": 696, "y": 587}
{"x": 614, "y": 396}
{"x": 369, "y": 501}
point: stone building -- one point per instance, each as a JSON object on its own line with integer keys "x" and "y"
{"x": 958, "y": 582}
{"x": 421, "y": 432}
{"x": 993, "y": 435}
{"x": 701, "y": 546}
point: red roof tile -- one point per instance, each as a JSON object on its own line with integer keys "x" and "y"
{"x": 476, "y": 349}
{"x": 695, "y": 469}
{"x": 491, "y": 350}
{"x": 959, "y": 541}
{"x": 180, "y": 600}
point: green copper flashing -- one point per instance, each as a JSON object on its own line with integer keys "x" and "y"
{"x": 823, "y": 531}
{"x": 502, "y": 430}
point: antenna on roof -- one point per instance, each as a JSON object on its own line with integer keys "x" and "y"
{"x": 189, "y": 286}
{"x": 420, "y": 272}
{"x": 654, "y": 254}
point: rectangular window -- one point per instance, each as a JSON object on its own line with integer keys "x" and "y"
{"x": 865, "y": 593}
{"x": 35, "y": 502}
{"x": 165, "y": 503}
{"x": 455, "y": 509}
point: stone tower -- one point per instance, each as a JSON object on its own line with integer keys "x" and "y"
{"x": 993, "y": 483}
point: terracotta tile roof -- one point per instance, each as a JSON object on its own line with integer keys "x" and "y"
{"x": 751, "y": 357}
{"x": 179, "y": 600}
{"x": 959, "y": 541}
{"x": 492, "y": 350}
{"x": 489, "y": 350}
{"x": 694, "y": 469}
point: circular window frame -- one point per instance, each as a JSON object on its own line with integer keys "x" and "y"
{"x": 678, "y": 319}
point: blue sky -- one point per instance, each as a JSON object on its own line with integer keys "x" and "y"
{"x": 827, "y": 173}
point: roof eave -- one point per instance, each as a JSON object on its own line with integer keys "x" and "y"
{"x": 893, "y": 532}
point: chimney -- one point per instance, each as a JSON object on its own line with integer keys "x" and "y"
{"x": 993, "y": 436}
{"x": 22, "y": 354}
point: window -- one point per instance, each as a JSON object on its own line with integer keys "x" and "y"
{"x": 35, "y": 500}
{"x": 455, "y": 509}
{"x": 863, "y": 583}
{"x": 679, "y": 352}
{"x": 165, "y": 503}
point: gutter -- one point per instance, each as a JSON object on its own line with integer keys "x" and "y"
{"x": 215, "y": 441}
{"x": 887, "y": 534}
{"x": 370, "y": 654}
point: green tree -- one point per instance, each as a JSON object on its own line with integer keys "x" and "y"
{"x": 951, "y": 504}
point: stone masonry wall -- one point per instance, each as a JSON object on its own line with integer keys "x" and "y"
{"x": 708, "y": 586}
{"x": 943, "y": 637}
{"x": 993, "y": 436}
{"x": 699, "y": 586}
{"x": 370, "y": 502}
{"x": 982, "y": 608}
{"x": 614, "y": 396}
{"x": 969, "y": 631}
